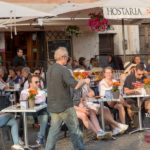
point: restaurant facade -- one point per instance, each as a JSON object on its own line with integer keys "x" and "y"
{"x": 40, "y": 41}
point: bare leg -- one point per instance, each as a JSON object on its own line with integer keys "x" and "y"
{"x": 130, "y": 113}
{"x": 109, "y": 118}
{"x": 147, "y": 106}
{"x": 87, "y": 123}
{"x": 94, "y": 120}
{"x": 121, "y": 110}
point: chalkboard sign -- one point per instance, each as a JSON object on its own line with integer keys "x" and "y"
{"x": 53, "y": 45}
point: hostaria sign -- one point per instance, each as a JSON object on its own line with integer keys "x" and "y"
{"x": 120, "y": 13}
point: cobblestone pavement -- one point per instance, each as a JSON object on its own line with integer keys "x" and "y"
{"x": 135, "y": 141}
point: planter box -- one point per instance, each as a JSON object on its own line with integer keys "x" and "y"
{"x": 147, "y": 89}
{"x": 116, "y": 94}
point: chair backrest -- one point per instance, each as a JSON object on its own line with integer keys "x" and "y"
{"x": 4, "y": 101}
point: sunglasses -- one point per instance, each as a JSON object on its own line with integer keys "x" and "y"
{"x": 65, "y": 56}
{"x": 36, "y": 73}
{"x": 140, "y": 74}
{"x": 36, "y": 82}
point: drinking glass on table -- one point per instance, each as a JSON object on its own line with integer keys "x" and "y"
{"x": 138, "y": 87}
{"x": 11, "y": 85}
{"x": 12, "y": 99}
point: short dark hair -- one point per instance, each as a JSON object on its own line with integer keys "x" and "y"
{"x": 30, "y": 78}
{"x": 19, "y": 50}
{"x": 133, "y": 59}
{"x": 13, "y": 69}
{"x": 140, "y": 67}
{"x": 36, "y": 68}
{"x": 81, "y": 60}
{"x": 18, "y": 68}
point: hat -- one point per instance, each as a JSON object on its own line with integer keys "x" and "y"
{"x": 96, "y": 69}
{"x": 127, "y": 66}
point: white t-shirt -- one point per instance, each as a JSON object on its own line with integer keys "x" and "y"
{"x": 103, "y": 86}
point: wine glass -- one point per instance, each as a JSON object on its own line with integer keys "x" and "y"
{"x": 12, "y": 99}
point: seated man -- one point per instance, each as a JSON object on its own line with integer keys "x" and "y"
{"x": 39, "y": 98}
{"x": 130, "y": 87}
{"x": 7, "y": 119}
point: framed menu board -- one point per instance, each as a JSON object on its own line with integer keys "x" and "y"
{"x": 53, "y": 45}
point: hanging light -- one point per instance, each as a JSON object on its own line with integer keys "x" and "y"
{"x": 12, "y": 24}
{"x": 40, "y": 21}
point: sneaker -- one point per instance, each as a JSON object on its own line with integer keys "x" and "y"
{"x": 17, "y": 147}
{"x": 116, "y": 131}
{"x": 40, "y": 140}
{"x": 123, "y": 127}
{"x": 104, "y": 135}
{"x": 21, "y": 142}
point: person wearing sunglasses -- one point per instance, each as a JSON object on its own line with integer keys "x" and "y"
{"x": 132, "y": 86}
{"x": 37, "y": 72}
{"x": 34, "y": 83}
{"x": 60, "y": 102}
{"x": 133, "y": 78}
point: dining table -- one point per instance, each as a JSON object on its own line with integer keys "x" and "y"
{"x": 24, "y": 111}
{"x": 101, "y": 101}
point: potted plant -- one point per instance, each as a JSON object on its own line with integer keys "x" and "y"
{"x": 31, "y": 97}
{"x": 97, "y": 22}
{"x": 147, "y": 85}
{"x": 73, "y": 30}
{"x": 115, "y": 90}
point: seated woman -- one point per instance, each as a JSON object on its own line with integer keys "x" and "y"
{"x": 84, "y": 110}
{"x": 82, "y": 63}
{"x": 90, "y": 121}
{"x": 106, "y": 84}
{"x": 13, "y": 78}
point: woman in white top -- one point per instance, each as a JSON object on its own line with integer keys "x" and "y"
{"x": 106, "y": 84}
{"x": 88, "y": 114}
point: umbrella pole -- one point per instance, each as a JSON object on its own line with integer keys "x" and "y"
{"x": 123, "y": 41}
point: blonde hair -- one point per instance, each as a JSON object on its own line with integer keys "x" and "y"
{"x": 26, "y": 69}
{"x": 108, "y": 68}
{"x": 60, "y": 52}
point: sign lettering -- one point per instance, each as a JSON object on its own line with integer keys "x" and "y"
{"x": 115, "y": 13}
